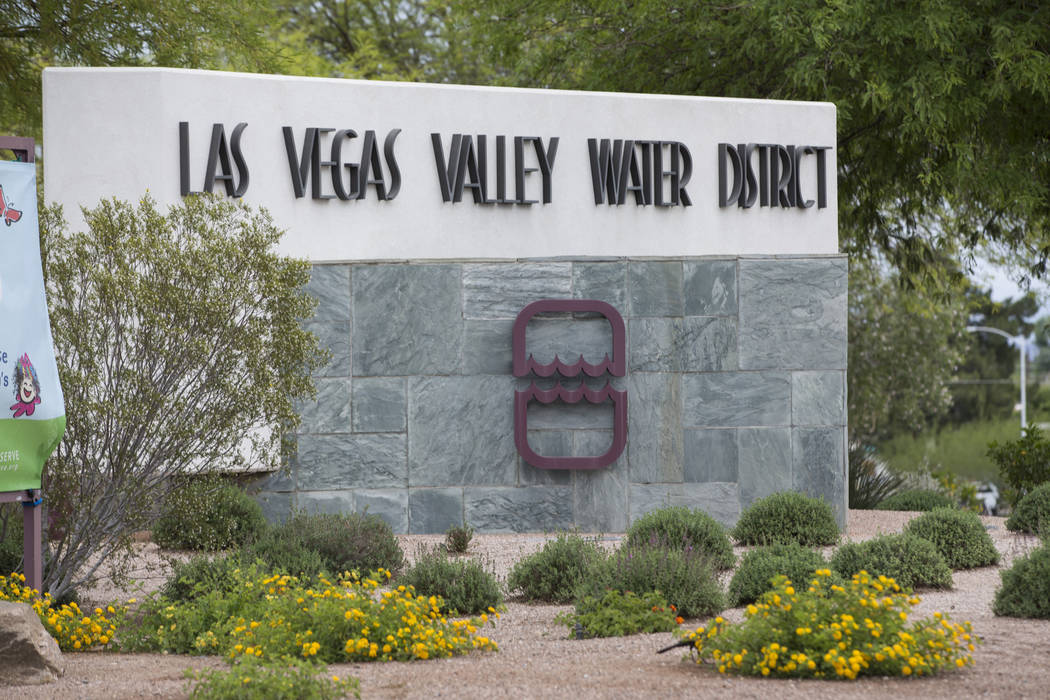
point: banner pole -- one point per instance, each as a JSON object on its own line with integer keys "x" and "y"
{"x": 31, "y": 541}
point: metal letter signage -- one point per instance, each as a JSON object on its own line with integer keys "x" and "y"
{"x": 524, "y": 364}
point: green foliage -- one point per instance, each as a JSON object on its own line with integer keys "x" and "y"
{"x": 11, "y": 538}
{"x": 1025, "y": 591}
{"x": 682, "y": 528}
{"x": 787, "y": 516}
{"x": 457, "y": 539}
{"x": 1024, "y": 463}
{"x": 870, "y": 480}
{"x": 618, "y": 614}
{"x": 339, "y": 542}
{"x": 287, "y": 678}
{"x": 1032, "y": 513}
{"x": 202, "y": 574}
{"x": 199, "y": 324}
{"x": 552, "y": 574}
{"x": 916, "y": 499}
{"x": 910, "y": 560}
{"x": 758, "y": 567}
{"x": 464, "y": 585}
{"x": 961, "y": 448}
{"x": 830, "y": 631}
{"x": 207, "y": 514}
{"x": 958, "y": 535}
{"x": 686, "y": 578}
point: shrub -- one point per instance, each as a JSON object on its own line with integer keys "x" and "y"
{"x": 344, "y": 542}
{"x": 552, "y": 574}
{"x": 788, "y": 516}
{"x": 870, "y": 479}
{"x": 250, "y": 678}
{"x": 618, "y": 614}
{"x": 1032, "y": 513}
{"x": 759, "y": 566}
{"x": 680, "y": 527}
{"x": 11, "y": 538}
{"x": 72, "y": 628}
{"x": 916, "y": 499}
{"x": 910, "y": 560}
{"x": 958, "y": 535}
{"x": 464, "y": 586}
{"x": 832, "y": 631}
{"x": 207, "y": 514}
{"x": 1025, "y": 590}
{"x": 202, "y": 574}
{"x": 1023, "y": 463}
{"x": 457, "y": 539}
{"x": 685, "y": 578}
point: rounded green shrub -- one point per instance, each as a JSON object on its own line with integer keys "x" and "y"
{"x": 686, "y": 578}
{"x": 958, "y": 535}
{"x": 681, "y": 528}
{"x": 916, "y": 499}
{"x": 619, "y": 614}
{"x": 787, "y": 516}
{"x": 552, "y": 574}
{"x": 1032, "y": 513}
{"x": 202, "y": 574}
{"x": 759, "y": 566}
{"x": 208, "y": 514}
{"x": 464, "y": 585}
{"x": 1025, "y": 591}
{"x": 910, "y": 560}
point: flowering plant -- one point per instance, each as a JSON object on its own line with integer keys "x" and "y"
{"x": 67, "y": 623}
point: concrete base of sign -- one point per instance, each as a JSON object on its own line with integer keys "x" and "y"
{"x": 736, "y": 375}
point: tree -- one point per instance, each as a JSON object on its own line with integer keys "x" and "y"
{"x": 941, "y": 104}
{"x": 180, "y": 349}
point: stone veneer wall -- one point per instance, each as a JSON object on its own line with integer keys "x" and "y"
{"x": 736, "y": 389}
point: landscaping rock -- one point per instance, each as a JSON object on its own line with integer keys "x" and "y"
{"x": 30, "y": 655}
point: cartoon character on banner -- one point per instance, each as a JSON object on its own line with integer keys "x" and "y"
{"x": 27, "y": 388}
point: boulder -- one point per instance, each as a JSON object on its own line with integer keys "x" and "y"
{"x": 30, "y": 655}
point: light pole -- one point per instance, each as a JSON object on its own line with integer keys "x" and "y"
{"x": 1022, "y": 344}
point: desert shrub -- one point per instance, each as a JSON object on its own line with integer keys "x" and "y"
{"x": 1025, "y": 589}
{"x": 249, "y": 678}
{"x": 916, "y": 499}
{"x": 207, "y": 514}
{"x": 909, "y": 560}
{"x": 686, "y": 578}
{"x": 958, "y": 535}
{"x": 870, "y": 479}
{"x": 552, "y": 574}
{"x": 824, "y": 630}
{"x": 464, "y": 586}
{"x": 680, "y": 527}
{"x": 457, "y": 539}
{"x": 787, "y": 516}
{"x": 202, "y": 574}
{"x": 1023, "y": 463}
{"x": 759, "y": 566}
{"x": 344, "y": 542}
{"x": 1032, "y": 513}
{"x": 618, "y": 614}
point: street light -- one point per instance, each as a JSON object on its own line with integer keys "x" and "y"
{"x": 1022, "y": 344}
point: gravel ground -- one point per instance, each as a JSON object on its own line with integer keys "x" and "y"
{"x": 537, "y": 660}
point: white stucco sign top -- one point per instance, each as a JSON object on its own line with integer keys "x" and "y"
{"x": 360, "y": 170}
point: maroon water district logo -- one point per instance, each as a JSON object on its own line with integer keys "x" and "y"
{"x": 524, "y": 364}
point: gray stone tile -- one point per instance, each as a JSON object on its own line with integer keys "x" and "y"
{"x": 654, "y": 344}
{"x": 719, "y": 500}
{"x": 710, "y": 287}
{"x": 764, "y": 462}
{"x": 501, "y": 290}
{"x": 330, "y": 502}
{"x": 654, "y": 420}
{"x": 432, "y": 511}
{"x": 389, "y": 504}
{"x": 711, "y": 455}
{"x": 328, "y": 462}
{"x": 276, "y": 506}
{"x": 707, "y": 344}
{"x": 462, "y": 431}
{"x": 656, "y": 289}
{"x": 546, "y": 443}
{"x": 523, "y": 509}
{"x": 570, "y": 416}
{"x": 793, "y": 314}
{"x": 330, "y": 285}
{"x": 606, "y": 281}
{"x": 379, "y": 405}
{"x": 599, "y": 495}
{"x": 282, "y": 479}
{"x": 818, "y": 398}
{"x": 735, "y": 399}
{"x": 330, "y": 411}
{"x": 407, "y": 319}
{"x": 487, "y": 347}
{"x": 333, "y": 336}
{"x": 819, "y": 466}
{"x": 568, "y": 338}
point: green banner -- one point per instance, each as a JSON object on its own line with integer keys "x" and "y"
{"x": 32, "y": 412}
